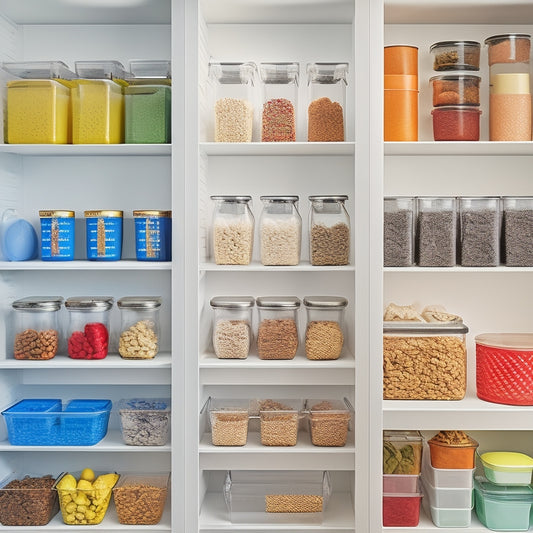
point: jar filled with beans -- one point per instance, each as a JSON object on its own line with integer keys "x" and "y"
{"x": 36, "y": 327}
{"x": 139, "y": 331}
{"x": 324, "y": 337}
{"x": 277, "y": 335}
{"x": 232, "y": 326}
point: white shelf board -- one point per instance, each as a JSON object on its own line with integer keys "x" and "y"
{"x": 281, "y": 148}
{"x": 339, "y": 515}
{"x": 481, "y": 148}
{"x": 123, "y": 264}
{"x": 458, "y": 269}
{"x": 86, "y": 149}
{"x": 256, "y": 266}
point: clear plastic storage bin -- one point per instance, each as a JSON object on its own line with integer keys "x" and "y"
{"x": 517, "y": 230}
{"x": 145, "y": 421}
{"x": 228, "y": 419}
{"x": 511, "y": 48}
{"x": 399, "y": 231}
{"x": 402, "y": 452}
{"x": 329, "y": 422}
{"x": 446, "y": 478}
{"x": 402, "y": 509}
{"x": 455, "y": 89}
{"x": 279, "y": 420}
{"x": 455, "y": 55}
{"x": 507, "y": 468}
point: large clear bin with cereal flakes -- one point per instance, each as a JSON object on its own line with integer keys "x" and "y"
{"x": 228, "y": 419}
{"x": 329, "y": 421}
{"x": 276, "y": 497}
{"x": 279, "y": 421}
{"x": 424, "y": 361}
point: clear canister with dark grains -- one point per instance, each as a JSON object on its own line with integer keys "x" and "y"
{"x": 517, "y": 231}
{"x": 399, "y": 215}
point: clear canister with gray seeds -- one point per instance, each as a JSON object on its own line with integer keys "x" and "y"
{"x": 518, "y": 231}
{"x": 145, "y": 421}
{"x": 399, "y": 215}
{"x": 140, "y": 329}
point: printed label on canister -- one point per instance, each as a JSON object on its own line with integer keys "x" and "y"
{"x": 152, "y": 238}
{"x": 104, "y": 238}
{"x": 57, "y": 237}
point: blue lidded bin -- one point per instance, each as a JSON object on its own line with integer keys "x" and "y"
{"x": 153, "y": 235}
{"x": 57, "y": 235}
{"x": 104, "y": 235}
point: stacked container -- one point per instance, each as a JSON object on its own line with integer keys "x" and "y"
{"x": 401, "y": 93}
{"x": 510, "y": 98}
{"x": 455, "y": 94}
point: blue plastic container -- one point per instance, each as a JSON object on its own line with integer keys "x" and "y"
{"x": 57, "y": 235}
{"x": 38, "y": 422}
{"x": 153, "y": 235}
{"x": 104, "y": 235}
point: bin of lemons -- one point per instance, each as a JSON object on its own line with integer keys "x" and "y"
{"x": 84, "y": 497}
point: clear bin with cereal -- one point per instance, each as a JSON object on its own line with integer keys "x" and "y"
{"x": 455, "y": 55}
{"x": 228, "y": 419}
{"x": 139, "y": 329}
{"x": 329, "y": 421}
{"x": 140, "y": 498}
{"x": 424, "y": 361}
{"x": 279, "y": 421}
{"x": 517, "y": 228}
{"x": 36, "y": 327}
{"x": 233, "y": 102}
{"x": 329, "y": 231}
{"x": 276, "y": 496}
{"x": 232, "y": 326}
{"x": 402, "y": 452}
{"x": 280, "y": 101}
{"x": 233, "y": 230}
{"x": 145, "y": 421}
{"x": 277, "y": 335}
{"x": 324, "y": 333}
{"x": 326, "y": 109}
{"x": 399, "y": 216}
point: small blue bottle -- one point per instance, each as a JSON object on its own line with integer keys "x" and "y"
{"x": 104, "y": 235}
{"x": 153, "y": 235}
{"x": 57, "y": 235}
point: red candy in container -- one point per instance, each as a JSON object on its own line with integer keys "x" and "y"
{"x": 88, "y": 330}
{"x": 504, "y": 368}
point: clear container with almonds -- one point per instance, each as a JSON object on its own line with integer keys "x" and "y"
{"x": 402, "y": 452}
{"x": 279, "y": 421}
{"x": 329, "y": 421}
{"x": 36, "y": 327}
{"x": 229, "y": 421}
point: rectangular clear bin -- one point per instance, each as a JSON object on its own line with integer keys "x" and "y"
{"x": 399, "y": 231}
{"x": 329, "y": 421}
{"x": 402, "y": 509}
{"x": 279, "y": 421}
{"x": 145, "y": 421}
{"x": 274, "y": 497}
{"x": 447, "y": 517}
{"x": 448, "y": 498}
{"x": 517, "y": 230}
{"x": 228, "y": 419}
{"x": 402, "y": 452}
{"x": 424, "y": 361}
{"x": 446, "y": 478}
{"x": 400, "y": 483}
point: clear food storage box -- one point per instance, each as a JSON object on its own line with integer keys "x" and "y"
{"x": 261, "y": 497}
{"x": 27, "y": 499}
{"x": 452, "y": 449}
{"x": 455, "y": 55}
{"x": 402, "y": 452}
{"x": 47, "y": 422}
{"x": 402, "y": 509}
{"x": 517, "y": 226}
{"x": 455, "y": 89}
{"x": 447, "y": 516}
{"x": 228, "y": 419}
{"x": 140, "y": 498}
{"x": 455, "y": 123}
{"x": 279, "y": 421}
{"x": 507, "y": 468}
{"x": 399, "y": 218}
{"x": 446, "y": 478}
{"x": 509, "y": 48}
{"x": 145, "y": 421}
{"x": 329, "y": 421}
{"x": 424, "y": 361}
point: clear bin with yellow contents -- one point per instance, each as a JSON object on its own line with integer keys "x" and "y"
{"x": 38, "y": 102}
{"x": 98, "y": 102}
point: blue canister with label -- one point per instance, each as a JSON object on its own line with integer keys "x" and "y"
{"x": 153, "y": 235}
{"x": 57, "y": 235}
{"x": 104, "y": 235}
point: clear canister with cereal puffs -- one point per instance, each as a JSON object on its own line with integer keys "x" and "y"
{"x": 36, "y": 327}
{"x": 324, "y": 334}
{"x": 140, "y": 328}
{"x": 424, "y": 361}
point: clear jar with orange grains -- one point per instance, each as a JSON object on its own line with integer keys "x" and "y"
{"x": 326, "y": 111}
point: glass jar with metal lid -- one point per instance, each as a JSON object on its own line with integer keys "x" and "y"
{"x": 153, "y": 235}
{"x": 103, "y": 235}
{"x": 140, "y": 328}
{"x": 36, "y": 327}
{"x": 329, "y": 231}
{"x": 57, "y": 235}
{"x": 280, "y": 230}
{"x": 232, "y": 326}
{"x": 277, "y": 335}
{"x": 233, "y": 230}
{"x": 324, "y": 334}
{"x": 88, "y": 326}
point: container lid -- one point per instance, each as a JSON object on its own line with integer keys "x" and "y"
{"x": 327, "y": 72}
{"x": 232, "y": 73}
{"x": 144, "y": 404}
{"x": 494, "y": 39}
{"x": 232, "y": 302}
{"x": 460, "y": 109}
{"x": 89, "y": 303}
{"x": 150, "y": 68}
{"x": 402, "y": 435}
{"x": 45, "y": 70}
{"x": 277, "y": 302}
{"x": 152, "y": 213}
{"x": 455, "y": 77}
{"x": 104, "y": 213}
{"x": 229, "y": 405}
{"x": 447, "y": 44}
{"x": 281, "y": 73}
{"x": 319, "y": 407}
{"x": 234, "y": 199}
{"x": 325, "y": 301}
{"x": 38, "y": 303}
{"x": 56, "y": 213}
{"x": 519, "y": 462}
{"x": 275, "y": 406}
{"x": 514, "y": 341}
{"x": 335, "y": 198}
{"x": 503, "y": 492}
{"x": 280, "y": 198}
{"x": 510, "y": 83}
{"x": 139, "y": 302}
{"x": 102, "y": 70}
{"x": 417, "y": 328}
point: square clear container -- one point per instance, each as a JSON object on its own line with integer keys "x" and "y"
{"x": 399, "y": 231}
{"x": 455, "y": 89}
{"x": 446, "y": 478}
{"x": 234, "y": 98}
{"x": 448, "y": 498}
{"x": 429, "y": 357}
{"x": 324, "y": 332}
{"x": 140, "y": 498}
{"x": 228, "y": 419}
{"x": 27, "y": 499}
{"x": 145, "y": 421}
{"x": 436, "y": 231}
{"x": 402, "y": 452}
{"x": 326, "y": 111}
{"x": 447, "y": 517}
{"x": 279, "y": 421}
{"x": 455, "y": 55}
{"x": 479, "y": 231}
{"x": 232, "y": 326}
{"x": 329, "y": 421}
{"x": 277, "y": 497}
{"x": 280, "y": 101}
{"x": 517, "y": 229}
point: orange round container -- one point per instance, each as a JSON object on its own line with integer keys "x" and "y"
{"x": 401, "y": 59}
{"x": 400, "y": 115}
{"x": 450, "y": 456}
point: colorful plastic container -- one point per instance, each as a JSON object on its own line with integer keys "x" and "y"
{"x": 57, "y": 235}
{"x": 454, "y": 123}
{"x": 452, "y": 454}
{"x": 507, "y": 468}
{"x": 103, "y": 235}
{"x": 153, "y": 235}
{"x": 401, "y": 509}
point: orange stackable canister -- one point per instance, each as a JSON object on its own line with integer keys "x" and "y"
{"x": 401, "y": 59}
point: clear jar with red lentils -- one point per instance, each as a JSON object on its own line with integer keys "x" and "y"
{"x": 456, "y": 123}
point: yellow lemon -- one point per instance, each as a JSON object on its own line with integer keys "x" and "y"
{"x": 67, "y": 482}
{"x": 88, "y": 475}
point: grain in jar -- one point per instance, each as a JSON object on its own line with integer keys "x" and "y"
{"x": 455, "y": 55}
{"x": 399, "y": 214}
{"x": 279, "y": 422}
{"x": 517, "y": 231}
{"x": 229, "y": 421}
{"x": 509, "y": 48}
{"x": 232, "y": 326}
{"x": 329, "y": 422}
{"x": 277, "y": 335}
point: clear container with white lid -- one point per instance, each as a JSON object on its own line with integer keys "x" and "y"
{"x": 280, "y": 230}
{"x": 36, "y": 327}
{"x": 232, "y": 326}
{"x": 517, "y": 228}
{"x": 324, "y": 334}
{"x": 277, "y": 336}
{"x": 399, "y": 217}
{"x": 140, "y": 327}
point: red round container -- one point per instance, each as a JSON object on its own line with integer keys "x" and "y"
{"x": 451, "y": 123}
{"x": 504, "y": 368}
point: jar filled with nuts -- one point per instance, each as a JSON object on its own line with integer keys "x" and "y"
{"x": 36, "y": 327}
{"x": 139, "y": 331}
{"x": 324, "y": 337}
